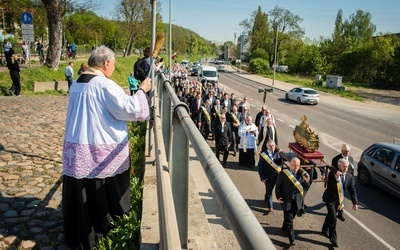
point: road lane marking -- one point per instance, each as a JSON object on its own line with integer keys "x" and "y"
{"x": 370, "y": 231}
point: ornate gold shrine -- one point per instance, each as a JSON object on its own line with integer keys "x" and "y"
{"x": 305, "y": 136}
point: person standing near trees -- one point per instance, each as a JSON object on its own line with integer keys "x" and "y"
{"x": 133, "y": 84}
{"x": 25, "y": 51}
{"x": 69, "y": 74}
{"x": 13, "y": 66}
{"x": 8, "y": 51}
{"x": 96, "y": 176}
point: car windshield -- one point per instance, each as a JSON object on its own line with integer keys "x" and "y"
{"x": 310, "y": 92}
{"x": 210, "y": 73}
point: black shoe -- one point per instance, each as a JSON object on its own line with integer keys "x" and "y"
{"x": 340, "y": 217}
{"x": 224, "y": 165}
{"x": 234, "y": 154}
{"x": 325, "y": 233}
{"x": 299, "y": 213}
{"x": 291, "y": 242}
{"x": 334, "y": 244}
{"x": 10, "y": 92}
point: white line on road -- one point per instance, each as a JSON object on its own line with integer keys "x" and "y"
{"x": 370, "y": 231}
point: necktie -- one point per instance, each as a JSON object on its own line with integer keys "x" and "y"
{"x": 343, "y": 179}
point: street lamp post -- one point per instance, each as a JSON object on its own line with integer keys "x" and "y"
{"x": 276, "y": 51}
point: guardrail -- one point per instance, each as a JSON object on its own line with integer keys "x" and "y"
{"x": 173, "y": 124}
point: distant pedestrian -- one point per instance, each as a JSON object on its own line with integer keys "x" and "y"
{"x": 69, "y": 74}
{"x": 13, "y": 66}
{"x": 25, "y": 52}
{"x": 8, "y": 51}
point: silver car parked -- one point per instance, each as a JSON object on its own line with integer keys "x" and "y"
{"x": 380, "y": 164}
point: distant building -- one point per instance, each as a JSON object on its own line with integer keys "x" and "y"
{"x": 243, "y": 47}
{"x": 229, "y": 53}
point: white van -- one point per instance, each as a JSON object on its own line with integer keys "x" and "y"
{"x": 185, "y": 63}
{"x": 208, "y": 73}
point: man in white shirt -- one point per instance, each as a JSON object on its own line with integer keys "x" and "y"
{"x": 69, "y": 74}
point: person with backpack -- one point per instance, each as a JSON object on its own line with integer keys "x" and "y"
{"x": 141, "y": 68}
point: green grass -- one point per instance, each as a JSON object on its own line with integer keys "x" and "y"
{"x": 310, "y": 82}
{"x": 43, "y": 74}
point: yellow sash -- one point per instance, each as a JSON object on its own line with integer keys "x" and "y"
{"x": 273, "y": 164}
{"x": 294, "y": 181}
{"x": 339, "y": 188}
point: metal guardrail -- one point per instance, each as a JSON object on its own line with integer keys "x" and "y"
{"x": 173, "y": 124}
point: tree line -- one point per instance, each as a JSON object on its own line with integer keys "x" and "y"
{"x": 62, "y": 22}
{"x": 352, "y": 52}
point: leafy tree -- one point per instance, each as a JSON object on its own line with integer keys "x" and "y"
{"x": 258, "y": 66}
{"x": 359, "y": 26}
{"x": 135, "y": 16}
{"x": 259, "y": 33}
{"x": 56, "y": 10}
{"x": 285, "y": 26}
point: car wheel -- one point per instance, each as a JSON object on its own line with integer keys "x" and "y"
{"x": 363, "y": 176}
{"x": 298, "y": 100}
{"x": 286, "y": 96}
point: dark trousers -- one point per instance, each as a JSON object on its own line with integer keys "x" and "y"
{"x": 288, "y": 217}
{"x": 269, "y": 186}
{"x": 247, "y": 158}
{"x": 219, "y": 147}
{"x": 91, "y": 205}
{"x": 330, "y": 221}
{"x": 70, "y": 80}
{"x": 234, "y": 143}
{"x": 16, "y": 79}
{"x": 205, "y": 129}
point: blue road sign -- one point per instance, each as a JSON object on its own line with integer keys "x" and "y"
{"x": 26, "y": 18}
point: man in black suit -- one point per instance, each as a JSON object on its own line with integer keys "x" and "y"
{"x": 268, "y": 170}
{"x": 339, "y": 180}
{"x": 267, "y": 132}
{"x": 195, "y": 110}
{"x": 346, "y": 155}
{"x": 206, "y": 120}
{"x": 223, "y": 135}
{"x": 289, "y": 191}
{"x": 235, "y": 119}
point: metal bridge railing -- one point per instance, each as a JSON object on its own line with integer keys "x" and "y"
{"x": 173, "y": 128}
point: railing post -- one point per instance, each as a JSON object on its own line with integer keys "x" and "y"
{"x": 166, "y": 115}
{"x": 179, "y": 172}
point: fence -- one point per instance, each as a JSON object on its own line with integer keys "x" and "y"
{"x": 173, "y": 129}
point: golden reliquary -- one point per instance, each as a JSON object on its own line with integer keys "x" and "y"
{"x": 305, "y": 136}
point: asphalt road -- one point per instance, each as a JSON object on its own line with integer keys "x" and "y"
{"x": 377, "y": 223}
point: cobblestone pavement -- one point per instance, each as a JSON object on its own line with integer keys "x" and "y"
{"x": 31, "y": 135}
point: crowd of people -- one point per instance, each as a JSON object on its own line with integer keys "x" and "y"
{"x": 227, "y": 122}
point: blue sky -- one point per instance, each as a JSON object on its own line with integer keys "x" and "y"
{"x": 218, "y": 20}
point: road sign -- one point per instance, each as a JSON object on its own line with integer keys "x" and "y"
{"x": 28, "y": 38}
{"x": 27, "y": 32}
{"x": 26, "y": 18}
{"x": 26, "y": 26}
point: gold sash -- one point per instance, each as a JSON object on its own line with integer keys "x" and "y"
{"x": 340, "y": 193}
{"x": 294, "y": 181}
{"x": 206, "y": 113}
{"x": 273, "y": 164}
{"x": 217, "y": 111}
{"x": 235, "y": 119}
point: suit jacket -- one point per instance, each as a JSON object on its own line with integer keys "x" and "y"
{"x": 223, "y": 137}
{"x": 229, "y": 104}
{"x": 265, "y": 170}
{"x": 331, "y": 194}
{"x": 193, "y": 106}
{"x": 340, "y": 156}
{"x": 284, "y": 189}
{"x": 268, "y": 137}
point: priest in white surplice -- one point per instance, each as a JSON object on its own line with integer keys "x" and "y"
{"x": 248, "y": 133}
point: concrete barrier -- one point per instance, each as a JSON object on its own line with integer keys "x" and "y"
{"x": 55, "y": 85}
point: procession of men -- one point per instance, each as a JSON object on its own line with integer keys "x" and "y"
{"x": 228, "y": 124}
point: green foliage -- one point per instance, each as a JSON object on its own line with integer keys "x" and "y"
{"x": 259, "y": 53}
{"x": 126, "y": 230}
{"x": 258, "y": 66}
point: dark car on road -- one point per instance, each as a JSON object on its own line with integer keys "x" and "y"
{"x": 380, "y": 165}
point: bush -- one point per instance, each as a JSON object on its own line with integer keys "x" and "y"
{"x": 258, "y": 66}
